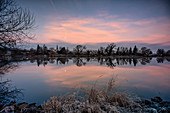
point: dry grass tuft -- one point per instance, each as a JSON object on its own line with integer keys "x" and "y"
{"x": 96, "y": 101}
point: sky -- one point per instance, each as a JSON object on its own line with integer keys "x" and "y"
{"x": 100, "y": 21}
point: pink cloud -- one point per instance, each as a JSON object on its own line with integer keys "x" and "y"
{"x": 96, "y": 30}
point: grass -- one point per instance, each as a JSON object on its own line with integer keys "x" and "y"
{"x": 95, "y": 101}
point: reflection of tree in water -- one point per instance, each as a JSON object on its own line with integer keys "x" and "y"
{"x": 63, "y": 60}
{"x": 79, "y": 61}
{"x": 8, "y": 92}
{"x": 88, "y": 59}
{"x": 168, "y": 59}
{"x": 122, "y": 61}
{"x": 130, "y": 61}
{"x": 126, "y": 61}
{"x": 100, "y": 60}
{"x": 135, "y": 61}
{"x": 45, "y": 61}
{"x": 160, "y": 60}
{"x": 145, "y": 60}
{"x": 109, "y": 62}
{"x": 6, "y": 67}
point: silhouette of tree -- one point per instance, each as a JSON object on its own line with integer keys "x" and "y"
{"x": 57, "y": 48}
{"x": 135, "y": 61}
{"x": 39, "y": 50}
{"x": 146, "y": 51}
{"x": 160, "y": 60}
{"x": 62, "y": 51}
{"x": 168, "y": 59}
{"x": 135, "y": 50}
{"x": 15, "y": 23}
{"x": 6, "y": 67}
{"x": 118, "y": 51}
{"x": 62, "y": 60}
{"x": 145, "y": 60}
{"x": 98, "y": 52}
{"x": 130, "y": 61}
{"x": 130, "y": 50}
{"x": 123, "y": 51}
{"x": 160, "y": 52}
{"x": 79, "y": 49}
{"x": 168, "y": 53}
{"x": 88, "y": 52}
{"x": 109, "y": 49}
{"x": 101, "y": 50}
{"x": 8, "y": 92}
{"x": 79, "y": 62}
{"x": 45, "y": 50}
{"x": 32, "y": 51}
{"x": 110, "y": 63}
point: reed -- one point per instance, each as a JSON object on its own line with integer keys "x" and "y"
{"x": 95, "y": 101}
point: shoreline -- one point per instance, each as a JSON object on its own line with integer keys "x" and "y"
{"x": 19, "y": 57}
{"x": 153, "y": 105}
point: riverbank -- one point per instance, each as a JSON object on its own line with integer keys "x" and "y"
{"x": 121, "y": 104}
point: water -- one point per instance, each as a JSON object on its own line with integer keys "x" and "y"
{"x": 41, "y": 79}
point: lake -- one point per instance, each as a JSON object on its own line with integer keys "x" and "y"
{"x": 41, "y": 78}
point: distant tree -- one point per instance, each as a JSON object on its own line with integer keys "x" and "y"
{"x": 151, "y": 52}
{"x": 123, "y": 51}
{"x": 79, "y": 49}
{"x": 135, "y": 61}
{"x": 135, "y": 50}
{"x": 32, "y": 51}
{"x": 38, "y": 49}
{"x": 160, "y": 60}
{"x": 101, "y": 50}
{"x": 98, "y": 52}
{"x": 109, "y": 62}
{"x": 160, "y": 52}
{"x": 15, "y": 23}
{"x": 130, "y": 50}
{"x": 79, "y": 62}
{"x": 57, "y": 49}
{"x": 145, "y": 51}
{"x": 168, "y": 53}
{"x": 88, "y": 52}
{"x": 109, "y": 49}
{"x": 52, "y": 53}
{"x": 62, "y": 51}
{"x": 126, "y": 52}
{"x": 45, "y": 50}
{"x": 118, "y": 51}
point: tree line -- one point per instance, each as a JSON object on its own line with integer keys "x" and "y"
{"x": 109, "y": 50}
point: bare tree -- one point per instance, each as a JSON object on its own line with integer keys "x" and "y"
{"x": 6, "y": 67}
{"x": 109, "y": 49}
{"x": 15, "y": 23}
{"x": 79, "y": 49}
{"x": 8, "y": 92}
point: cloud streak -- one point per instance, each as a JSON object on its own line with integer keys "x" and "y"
{"x": 98, "y": 30}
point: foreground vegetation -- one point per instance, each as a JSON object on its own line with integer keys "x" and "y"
{"x": 94, "y": 101}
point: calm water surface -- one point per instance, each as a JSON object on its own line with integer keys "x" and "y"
{"x": 41, "y": 79}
